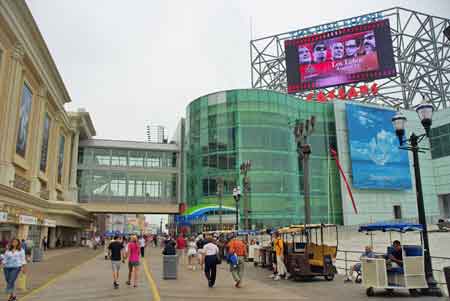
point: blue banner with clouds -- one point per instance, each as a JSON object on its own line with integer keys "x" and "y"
{"x": 377, "y": 162}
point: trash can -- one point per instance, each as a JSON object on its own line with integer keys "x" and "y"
{"x": 170, "y": 266}
{"x": 37, "y": 254}
{"x": 447, "y": 278}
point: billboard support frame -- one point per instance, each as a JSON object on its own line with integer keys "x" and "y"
{"x": 421, "y": 54}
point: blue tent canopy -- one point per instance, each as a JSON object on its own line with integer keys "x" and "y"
{"x": 385, "y": 227}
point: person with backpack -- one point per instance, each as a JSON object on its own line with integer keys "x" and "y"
{"x": 237, "y": 248}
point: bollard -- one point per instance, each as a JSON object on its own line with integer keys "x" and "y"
{"x": 447, "y": 278}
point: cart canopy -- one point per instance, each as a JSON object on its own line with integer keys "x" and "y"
{"x": 386, "y": 227}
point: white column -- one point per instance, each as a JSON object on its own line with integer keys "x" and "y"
{"x": 9, "y": 122}
{"x": 73, "y": 188}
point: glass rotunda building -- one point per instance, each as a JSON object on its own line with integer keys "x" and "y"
{"x": 227, "y": 128}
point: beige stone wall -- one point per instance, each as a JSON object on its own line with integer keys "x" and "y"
{"x": 25, "y": 60}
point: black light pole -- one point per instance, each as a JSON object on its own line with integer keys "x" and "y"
{"x": 237, "y": 197}
{"x": 245, "y": 168}
{"x": 425, "y": 112}
{"x": 301, "y": 132}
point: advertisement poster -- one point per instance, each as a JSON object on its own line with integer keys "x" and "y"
{"x": 377, "y": 162}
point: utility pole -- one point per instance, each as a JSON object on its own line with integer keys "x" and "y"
{"x": 245, "y": 168}
{"x": 302, "y": 131}
{"x": 220, "y": 196}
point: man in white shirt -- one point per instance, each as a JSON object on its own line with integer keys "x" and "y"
{"x": 211, "y": 251}
{"x": 142, "y": 244}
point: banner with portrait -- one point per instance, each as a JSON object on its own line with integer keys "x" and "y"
{"x": 24, "y": 120}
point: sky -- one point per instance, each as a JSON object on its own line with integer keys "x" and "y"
{"x": 138, "y": 62}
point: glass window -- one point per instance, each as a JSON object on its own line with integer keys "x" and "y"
{"x": 153, "y": 160}
{"x": 44, "y": 147}
{"x": 153, "y": 189}
{"x": 136, "y": 159}
{"x": 99, "y": 184}
{"x": 62, "y": 141}
{"x": 102, "y": 157}
{"x": 119, "y": 158}
{"x": 118, "y": 185}
{"x": 24, "y": 120}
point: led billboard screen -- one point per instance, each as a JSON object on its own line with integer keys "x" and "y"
{"x": 377, "y": 161}
{"x": 349, "y": 55}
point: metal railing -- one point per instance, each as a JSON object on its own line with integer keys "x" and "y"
{"x": 345, "y": 260}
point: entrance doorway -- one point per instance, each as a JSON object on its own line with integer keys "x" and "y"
{"x": 444, "y": 205}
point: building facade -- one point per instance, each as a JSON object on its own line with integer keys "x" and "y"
{"x": 38, "y": 138}
{"x": 227, "y": 128}
{"x": 126, "y": 176}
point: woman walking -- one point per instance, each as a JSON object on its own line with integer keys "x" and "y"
{"x": 211, "y": 252}
{"x": 14, "y": 262}
{"x": 191, "y": 253}
{"x": 133, "y": 259}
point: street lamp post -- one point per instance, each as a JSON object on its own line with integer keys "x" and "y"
{"x": 237, "y": 197}
{"x": 245, "y": 168}
{"x": 302, "y": 131}
{"x": 425, "y": 112}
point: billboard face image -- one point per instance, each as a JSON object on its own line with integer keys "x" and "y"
{"x": 377, "y": 162}
{"x": 360, "y": 53}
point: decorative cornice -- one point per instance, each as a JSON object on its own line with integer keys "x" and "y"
{"x": 66, "y": 208}
{"x": 18, "y": 52}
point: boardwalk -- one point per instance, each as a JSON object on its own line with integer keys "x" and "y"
{"x": 92, "y": 281}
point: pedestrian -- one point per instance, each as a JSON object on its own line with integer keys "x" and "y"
{"x": 238, "y": 248}
{"x": 181, "y": 248}
{"x": 130, "y": 268}
{"x": 191, "y": 253}
{"x": 106, "y": 248}
{"x": 133, "y": 260}
{"x": 115, "y": 249}
{"x": 142, "y": 244}
{"x": 279, "y": 251}
{"x": 44, "y": 243}
{"x": 211, "y": 259}
{"x": 200, "y": 242}
{"x": 14, "y": 262}
{"x": 155, "y": 240}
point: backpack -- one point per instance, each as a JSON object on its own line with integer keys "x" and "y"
{"x": 233, "y": 260}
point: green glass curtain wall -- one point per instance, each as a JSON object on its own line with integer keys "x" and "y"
{"x": 226, "y": 128}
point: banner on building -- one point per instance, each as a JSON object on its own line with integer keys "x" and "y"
{"x": 27, "y": 220}
{"x": 3, "y": 217}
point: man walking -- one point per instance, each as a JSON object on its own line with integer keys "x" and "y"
{"x": 237, "y": 246}
{"x": 142, "y": 244}
{"x": 115, "y": 251}
{"x": 181, "y": 248}
{"x": 279, "y": 251}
